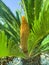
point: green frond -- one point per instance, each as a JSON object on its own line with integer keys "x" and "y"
{"x": 43, "y": 47}
{"x": 28, "y": 6}
{"x": 38, "y": 5}
{"x": 37, "y": 15}
{"x": 18, "y": 17}
{"x": 32, "y": 9}
{"x": 40, "y": 30}
{"x": 14, "y": 49}
{"x": 9, "y": 32}
{"x": 8, "y": 47}
{"x": 3, "y": 45}
{"x": 45, "y": 44}
{"x": 7, "y": 10}
{"x": 11, "y": 21}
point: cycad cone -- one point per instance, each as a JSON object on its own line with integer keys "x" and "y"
{"x": 24, "y": 33}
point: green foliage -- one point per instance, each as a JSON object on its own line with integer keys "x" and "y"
{"x": 29, "y": 10}
{"x": 3, "y": 44}
{"x": 9, "y": 47}
{"x": 37, "y": 15}
{"x": 12, "y": 24}
{"x": 39, "y": 31}
{"x": 32, "y": 9}
{"x": 38, "y": 5}
{"x": 11, "y": 29}
{"x": 14, "y": 49}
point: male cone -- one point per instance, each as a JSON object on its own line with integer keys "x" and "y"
{"x": 24, "y": 33}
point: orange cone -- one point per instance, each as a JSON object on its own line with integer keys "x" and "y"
{"x": 24, "y": 33}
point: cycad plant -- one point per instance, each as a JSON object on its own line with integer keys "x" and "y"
{"x": 25, "y": 36}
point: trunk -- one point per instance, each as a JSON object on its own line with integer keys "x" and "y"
{"x": 34, "y": 61}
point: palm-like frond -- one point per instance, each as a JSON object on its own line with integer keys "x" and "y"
{"x": 32, "y": 9}
{"x": 14, "y": 49}
{"x": 3, "y": 44}
{"x": 11, "y": 28}
{"x": 8, "y": 47}
{"x": 40, "y": 29}
{"x": 29, "y": 10}
{"x": 12, "y": 23}
{"x": 37, "y": 15}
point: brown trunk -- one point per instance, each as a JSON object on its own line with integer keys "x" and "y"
{"x": 34, "y": 61}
